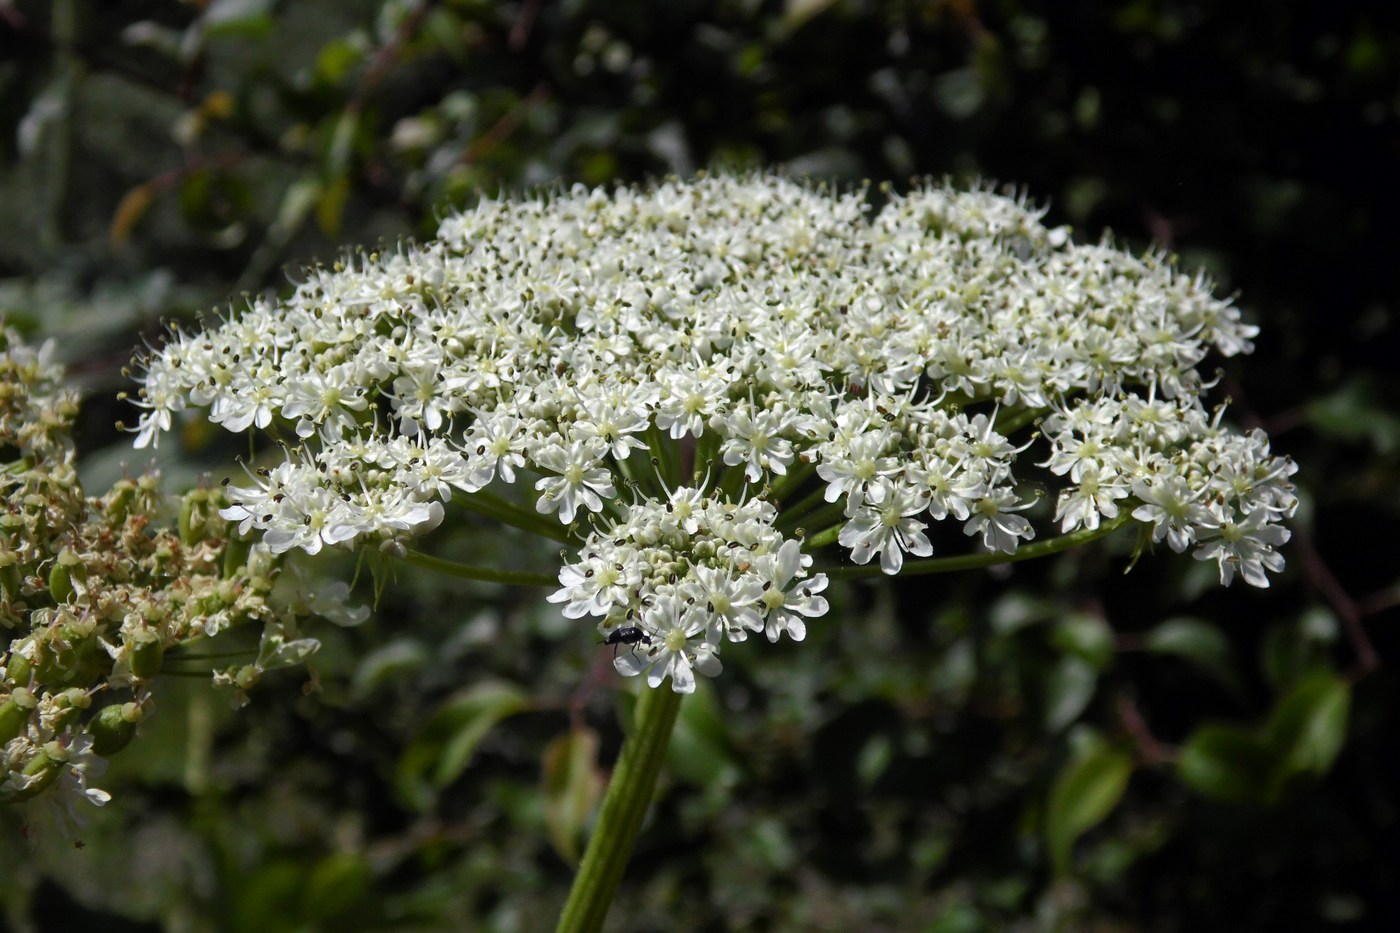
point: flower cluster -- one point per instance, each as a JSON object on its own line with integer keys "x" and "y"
{"x": 683, "y": 575}
{"x": 94, "y": 592}
{"x": 753, "y": 343}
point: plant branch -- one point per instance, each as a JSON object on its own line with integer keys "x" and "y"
{"x": 972, "y": 561}
{"x": 467, "y": 572}
{"x": 620, "y": 820}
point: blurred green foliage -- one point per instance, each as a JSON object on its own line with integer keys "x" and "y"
{"x": 1057, "y": 746}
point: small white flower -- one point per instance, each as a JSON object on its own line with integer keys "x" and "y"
{"x": 755, "y": 439}
{"x": 1096, "y": 496}
{"x": 581, "y": 480}
{"x": 789, "y": 596}
{"x": 682, "y": 641}
{"x": 1172, "y": 508}
{"x": 602, "y": 581}
{"x": 1248, "y": 546}
{"x": 858, "y": 467}
{"x": 994, "y": 518}
{"x": 731, "y": 599}
{"x": 888, "y": 530}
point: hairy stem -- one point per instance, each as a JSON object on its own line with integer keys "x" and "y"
{"x": 624, "y": 806}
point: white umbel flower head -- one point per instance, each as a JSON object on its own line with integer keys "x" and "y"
{"x": 708, "y": 382}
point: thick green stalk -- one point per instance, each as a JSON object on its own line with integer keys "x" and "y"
{"x": 624, "y": 806}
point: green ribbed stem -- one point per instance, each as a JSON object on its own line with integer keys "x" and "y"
{"x": 624, "y": 806}
{"x": 972, "y": 561}
{"x": 467, "y": 572}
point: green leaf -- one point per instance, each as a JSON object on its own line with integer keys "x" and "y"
{"x": 1069, "y": 686}
{"x": 398, "y": 659}
{"x": 1199, "y": 643}
{"x": 337, "y": 884}
{"x": 1086, "y": 637}
{"x": 572, "y": 786}
{"x": 1309, "y": 725}
{"x": 1227, "y": 763}
{"x": 1356, "y": 412}
{"x": 1087, "y": 790}
{"x": 1302, "y": 738}
{"x": 699, "y": 752}
{"x": 1293, "y": 649}
{"x": 238, "y": 18}
{"x": 440, "y": 754}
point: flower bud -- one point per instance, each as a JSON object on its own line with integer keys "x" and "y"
{"x": 68, "y": 705}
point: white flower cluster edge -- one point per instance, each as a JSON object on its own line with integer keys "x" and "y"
{"x": 687, "y": 370}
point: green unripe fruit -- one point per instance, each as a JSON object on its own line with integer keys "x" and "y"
{"x": 61, "y": 583}
{"x": 147, "y": 657}
{"x": 11, "y": 580}
{"x": 18, "y": 670}
{"x": 46, "y": 770}
{"x": 13, "y": 718}
{"x": 113, "y": 728}
{"x": 235, "y": 556}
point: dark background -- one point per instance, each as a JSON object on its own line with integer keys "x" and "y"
{"x": 903, "y": 768}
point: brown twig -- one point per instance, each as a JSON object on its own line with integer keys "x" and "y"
{"x": 501, "y": 130}
{"x": 1346, "y": 608}
{"x": 384, "y": 58}
{"x": 1149, "y": 748}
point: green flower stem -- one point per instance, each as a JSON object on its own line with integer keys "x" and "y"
{"x": 706, "y": 450}
{"x": 1011, "y": 422}
{"x": 972, "y": 561}
{"x": 503, "y": 510}
{"x": 784, "y": 487}
{"x": 640, "y": 477}
{"x": 792, "y": 514}
{"x": 732, "y": 479}
{"x": 822, "y": 538}
{"x": 467, "y": 572}
{"x": 620, "y": 820}
{"x": 820, "y": 517}
{"x": 664, "y": 450}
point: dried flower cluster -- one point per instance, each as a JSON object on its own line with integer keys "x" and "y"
{"x": 708, "y": 381}
{"x": 95, "y": 591}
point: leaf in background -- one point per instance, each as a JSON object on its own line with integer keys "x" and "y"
{"x": 1227, "y": 763}
{"x": 1069, "y": 686}
{"x": 238, "y": 17}
{"x": 1302, "y": 738}
{"x": 337, "y": 884}
{"x": 1200, "y": 643}
{"x": 331, "y": 205}
{"x": 1087, "y": 790}
{"x": 572, "y": 786}
{"x": 440, "y": 754}
{"x": 1298, "y": 647}
{"x": 700, "y": 752}
{"x": 1357, "y": 411}
{"x": 1309, "y": 725}
{"x": 1087, "y": 637}
{"x": 398, "y": 658}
